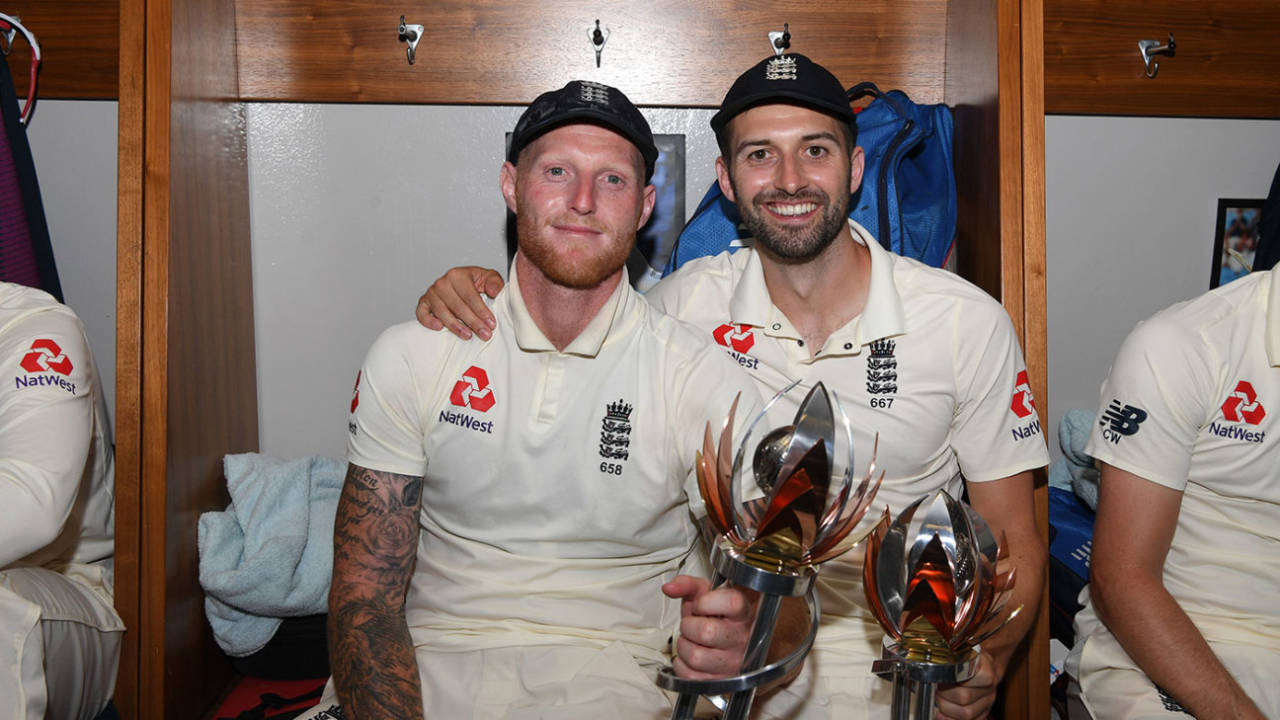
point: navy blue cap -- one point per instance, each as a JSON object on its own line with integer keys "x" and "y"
{"x": 792, "y": 79}
{"x": 590, "y": 102}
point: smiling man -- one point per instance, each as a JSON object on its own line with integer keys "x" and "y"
{"x": 513, "y": 507}
{"x": 918, "y": 355}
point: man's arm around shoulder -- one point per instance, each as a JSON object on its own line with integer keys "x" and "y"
{"x": 375, "y": 540}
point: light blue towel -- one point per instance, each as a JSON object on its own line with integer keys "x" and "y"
{"x": 270, "y": 554}
{"x": 1075, "y": 471}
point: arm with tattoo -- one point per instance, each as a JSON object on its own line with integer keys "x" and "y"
{"x": 375, "y": 540}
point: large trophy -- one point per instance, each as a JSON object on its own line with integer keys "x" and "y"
{"x": 932, "y": 581}
{"x": 773, "y": 544}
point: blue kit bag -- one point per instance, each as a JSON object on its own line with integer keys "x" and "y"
{"x": 908, "y": 194}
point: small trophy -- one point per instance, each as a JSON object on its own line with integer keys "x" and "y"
{"x": 773, "y": 544}
{"x": 931, "y": 580}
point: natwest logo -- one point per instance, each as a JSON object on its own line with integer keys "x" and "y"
{"x": 355, "y": 393}
{"x": 1243, "y": 406}
{"x": 46, "y": 355}
{"x": 1023, "y": 403}
{"x": 737, "y": 337}
{"x": 473, "y": 390}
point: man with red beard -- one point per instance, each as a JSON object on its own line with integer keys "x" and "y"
{"x": 918, "y": 355}
{"x": 512, "y": 508}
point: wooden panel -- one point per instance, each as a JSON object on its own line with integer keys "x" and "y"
{"x": 155, "y": 353}
{"x": 129, "y": 219}
{"x": 212, "y": 390}
{"x": 79, "y": 47}
{"x": 1035, "y": 338}
{"x": 973, "y": 94}
{"x": 1227, "y": 62}
{"x": 666, "y": 52}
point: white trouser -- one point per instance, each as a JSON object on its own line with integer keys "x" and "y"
{"x": 59, "y": 645}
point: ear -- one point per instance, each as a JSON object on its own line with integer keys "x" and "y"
{"x": 646, "y": 209}
{"x": 857, "y": 162}
{"x": 722, "y": 175}
{"x": 507, "y": 180}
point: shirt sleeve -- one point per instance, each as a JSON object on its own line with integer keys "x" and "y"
{"x": 46, "y": 425}
{"x": 996, "y": 431}
{"x": 385, "y": 424}
{"x": 1153, "y": 404}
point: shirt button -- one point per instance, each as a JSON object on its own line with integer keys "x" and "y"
{"x": 801, "y": 342}
{"x": 848, "y": 346}
{"x": 777, "y": 326}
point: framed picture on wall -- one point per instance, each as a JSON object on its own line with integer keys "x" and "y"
{"x": 1236, "y": 239}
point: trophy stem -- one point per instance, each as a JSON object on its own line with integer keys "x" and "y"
{"x": 924, "y": 699}
{"x": 757, "y": 650}
{"x": 901, "y": 694}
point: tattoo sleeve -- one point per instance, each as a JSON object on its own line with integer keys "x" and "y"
{"x": 375, "y": 540}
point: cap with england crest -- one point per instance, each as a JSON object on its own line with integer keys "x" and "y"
{"x": 792, "y": 79}
{"x": 589, "y": 102}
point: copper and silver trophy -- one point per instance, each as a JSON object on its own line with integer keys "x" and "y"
{"x": 773, "y": 544}
{"x": 932, "y": 581}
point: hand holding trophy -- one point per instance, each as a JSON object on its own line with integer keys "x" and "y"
{"x": 773, "y": 544}
{"x": 932, "y": 581}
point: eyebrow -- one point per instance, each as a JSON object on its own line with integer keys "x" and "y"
{"x": 824, "y": 135}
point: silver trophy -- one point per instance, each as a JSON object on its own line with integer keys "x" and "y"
{"x": 773, "y": 544}
{"x": 931, "y": 579}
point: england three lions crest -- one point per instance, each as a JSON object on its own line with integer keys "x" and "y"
{"x": 615, "y": 431}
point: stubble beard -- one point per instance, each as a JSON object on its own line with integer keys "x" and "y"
{"x": 795, "y": 244}
{"x": 583, "y": 274}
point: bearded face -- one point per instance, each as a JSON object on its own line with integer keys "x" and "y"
{"x": 579, "y": 197}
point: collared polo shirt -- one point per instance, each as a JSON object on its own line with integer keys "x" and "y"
{"x": 931, "y": 365}
{"x": 558, "y": 483}
{"x": 55, "y": 440}
{"x": 1193, "y": 403}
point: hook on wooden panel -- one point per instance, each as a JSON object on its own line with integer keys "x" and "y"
{"x": 780, "y": 42}
{"x": 1150, "y": 48}
{"x": 598, "y": 38}
{"x": 411, "y": 34}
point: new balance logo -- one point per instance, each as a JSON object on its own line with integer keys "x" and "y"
{"x": 1120, "y": 420}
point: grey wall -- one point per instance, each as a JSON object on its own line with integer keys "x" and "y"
{"x": 355, "y": 209}
{"x": 1130, "y": 205}
{"x": 73, "y": 144}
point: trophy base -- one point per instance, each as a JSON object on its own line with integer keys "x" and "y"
{"x": 915, "y": 681}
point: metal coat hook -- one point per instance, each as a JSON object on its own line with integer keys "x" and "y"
{"x": 10, "y": 26}
{"x": 598, "y": 38}
{"x": 410, "y": 34}
{"x": 781, "y": 41}
{"x": 1149, "y": 48}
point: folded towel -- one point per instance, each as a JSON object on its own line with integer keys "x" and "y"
{"x": 270, "y": 554}
{"x": 1075, "y": 470}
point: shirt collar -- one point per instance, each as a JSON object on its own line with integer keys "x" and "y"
{"x": 882, "y": 316}
{"x": 1273, "y": 318}
{"x": 529, "y": 336}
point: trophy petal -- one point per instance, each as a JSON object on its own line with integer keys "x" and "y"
{"x": 814, "y": 422}
{"x": 891, "y": 570}
{"x": 825, "y": 548}
{"x": 931, "y": 590}
{"x": 870, "y": 575}
{"x": 724, "y": 454}
{"x": 992, "y": 631}
{"x": 710, "y": 495}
